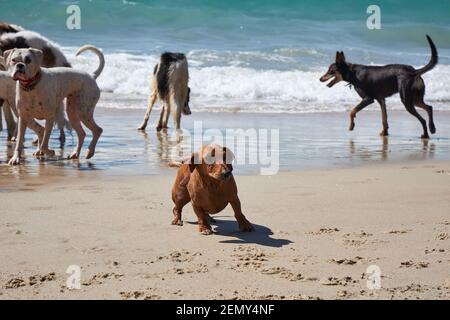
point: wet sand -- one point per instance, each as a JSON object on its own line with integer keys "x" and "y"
{"x": 306, "y": 141}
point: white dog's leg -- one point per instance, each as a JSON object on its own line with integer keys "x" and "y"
{"x": 151, "y": 103}
{"x": 43, "y": 148}
{"x": 96, "y": 133}
{"x": 15, "y": 159}
{"x": 10, "y": 122}
{"x": 39, "y": 130}
{"x": 76, "y": 125}
{"x": 60, "y": 122}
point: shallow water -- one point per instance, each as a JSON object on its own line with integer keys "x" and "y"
{"x": 306, "y": 141}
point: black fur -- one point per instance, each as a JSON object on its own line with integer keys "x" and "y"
{"x": 162, "y": 73}
{"x": 379, "y": 82}
{"x": 16, "y": 43}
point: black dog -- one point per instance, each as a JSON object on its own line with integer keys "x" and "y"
{"x": 379, "y": 82}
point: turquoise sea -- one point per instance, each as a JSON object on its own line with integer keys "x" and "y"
{"x": 252, "y": 56}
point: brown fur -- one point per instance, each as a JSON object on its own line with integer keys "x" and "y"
{"x": 8, "y": 28}
{"x": 208, "y": 183}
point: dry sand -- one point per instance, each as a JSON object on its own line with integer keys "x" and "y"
{"x": 316, "y": 234}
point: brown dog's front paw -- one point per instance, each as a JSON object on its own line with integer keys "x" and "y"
{"x": 177, "y": 222}
{"x": 245, "y": 226}
{"x": 206, "y": 230}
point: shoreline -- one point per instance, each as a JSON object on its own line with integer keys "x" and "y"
{"x": 306, "y": 141}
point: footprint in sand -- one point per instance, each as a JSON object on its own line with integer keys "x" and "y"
{"x": 180, "y": 256}
{"x": 399, "y": 231}
{"x": 333, "y": 281}
{"x": 411, "y": 264}
{"x": 349, "y": 262}
{"x": 248, "y": 257}
{"x": 15, "y": 283}
{"x": 99, "y": 278}
{"x": 442, "y": 236}
{"x": 283, "y": 273}
{"x": 324, "y": 231}
{"x": 200, "y": 268}
{"x": 137, "y": 295}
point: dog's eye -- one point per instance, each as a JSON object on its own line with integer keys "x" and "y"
{"x": 27, "y": 60}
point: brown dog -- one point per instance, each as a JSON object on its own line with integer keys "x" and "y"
{"x": 207, "y": 181}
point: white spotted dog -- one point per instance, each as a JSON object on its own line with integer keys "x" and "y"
{"x": 39, "y": 92}
{"x": 15, "y": 37}
{"x": 8, "y": 95}
{"x": 169, "y": 84}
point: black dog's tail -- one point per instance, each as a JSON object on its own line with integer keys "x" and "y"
{"x": 162, "y": 71}
{"x": 433, "y": 61}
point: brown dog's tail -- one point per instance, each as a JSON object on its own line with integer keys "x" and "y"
{"x": 433, "y": 61}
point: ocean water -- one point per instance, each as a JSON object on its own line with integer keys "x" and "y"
{"x": 251, "y": 56}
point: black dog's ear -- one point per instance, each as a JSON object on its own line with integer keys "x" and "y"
{"x": 340, "y": 57}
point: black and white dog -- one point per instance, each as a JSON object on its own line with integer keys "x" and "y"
{"x": 15, "y": 37}
{"x": 169, "y": 83}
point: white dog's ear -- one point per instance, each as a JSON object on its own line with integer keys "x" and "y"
{"x": 7, "y": 54}
{"x": 38, "y": 54}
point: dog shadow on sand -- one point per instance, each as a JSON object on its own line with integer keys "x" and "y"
{"x": 262, "y": 235}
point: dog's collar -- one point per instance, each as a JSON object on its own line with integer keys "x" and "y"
{"x": 28, "y": 85}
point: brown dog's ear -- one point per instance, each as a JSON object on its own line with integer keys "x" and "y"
{"x": 340, "y": 57}
{"x": 38, "y": 54}
{"x": 195, "y": 160}
{"x": 228, "y": 155}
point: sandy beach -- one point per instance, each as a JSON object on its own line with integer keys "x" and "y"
{"x": 337, "y": 214}
{"x": 317, "y": 232}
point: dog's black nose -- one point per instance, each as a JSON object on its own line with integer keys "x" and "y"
{"x": 20, "y": 66}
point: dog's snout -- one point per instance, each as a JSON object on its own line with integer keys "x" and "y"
{"x": 20, "y": 66}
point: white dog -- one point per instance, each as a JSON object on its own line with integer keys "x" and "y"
{"x": 169, "y": 83}
{"x": 39, "y": 92}
{"x": 8, "y": 95}
{"x": 15, "y": 37}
